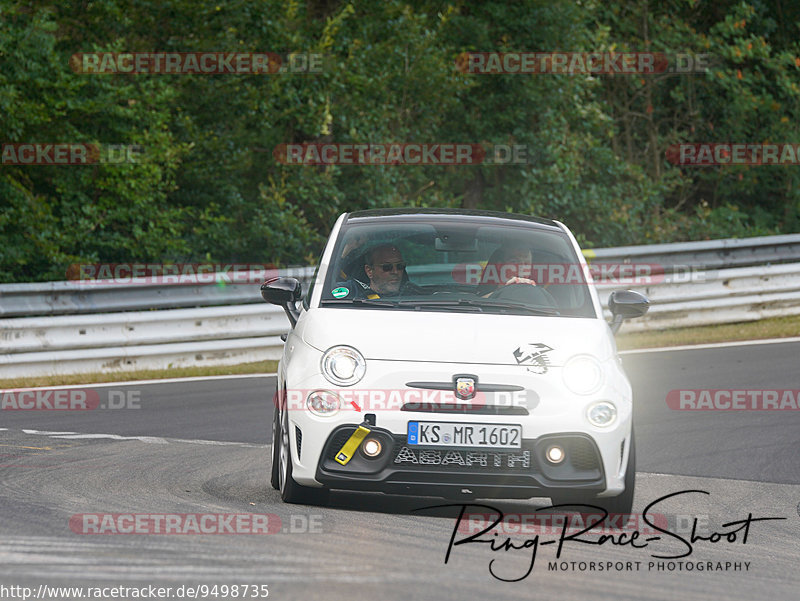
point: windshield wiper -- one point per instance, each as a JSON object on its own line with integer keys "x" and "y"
{"x": 461, "y": 303}
{"x": 480, "y": 305}
{"x": 521, "y": 307}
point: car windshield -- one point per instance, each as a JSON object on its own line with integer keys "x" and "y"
{"x": 452, "y": 265}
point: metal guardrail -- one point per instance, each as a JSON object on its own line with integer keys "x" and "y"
{"x": 714, "y": 297}
{"x": 61, "y": 298}
{"x": 74, "y": 297}
{"x": 706, "y": 254}
{"x": 72, "y": 327}
{"x": 154, "y": 356}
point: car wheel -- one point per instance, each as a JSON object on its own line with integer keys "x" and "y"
{"x": 621, "y": 504}
{"x": 291, "y": 491}
{"x": 274, "y": 478}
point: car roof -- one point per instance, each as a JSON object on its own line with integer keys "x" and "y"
{"x": 424, "y": 214}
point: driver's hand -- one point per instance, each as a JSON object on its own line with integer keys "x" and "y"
{"x": 518, "y": 280}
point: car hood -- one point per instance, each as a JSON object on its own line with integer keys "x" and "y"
{"x": 435, "y": 336}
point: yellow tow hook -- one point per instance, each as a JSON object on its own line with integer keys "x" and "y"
{"x": 349, "y": 448}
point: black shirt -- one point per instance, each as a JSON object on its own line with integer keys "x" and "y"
{"x": 354, "y": 288}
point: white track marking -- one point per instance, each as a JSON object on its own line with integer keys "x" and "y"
{"x": 690, "y": 347}
{"x": 45, "y": 432}
{"x": 145, "y": 439}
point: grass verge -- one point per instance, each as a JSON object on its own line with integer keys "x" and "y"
{"x": 778, "y": 327}
{"x": 258, "y": 367}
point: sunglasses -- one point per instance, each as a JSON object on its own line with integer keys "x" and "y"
{"x": 387, "y": 267}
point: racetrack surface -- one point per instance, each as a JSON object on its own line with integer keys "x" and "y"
{"x": 204, "y": 447}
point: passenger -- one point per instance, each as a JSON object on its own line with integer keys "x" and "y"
{"x": 511, "y": 258}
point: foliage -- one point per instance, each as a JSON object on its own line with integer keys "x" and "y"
{"x": 209, "y": 188}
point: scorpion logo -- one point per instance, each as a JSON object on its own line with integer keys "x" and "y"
{"x": 534, "y": 356}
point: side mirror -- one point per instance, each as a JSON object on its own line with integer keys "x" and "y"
{"x": 626, "y": 304}
{"x": 284, "y": 292}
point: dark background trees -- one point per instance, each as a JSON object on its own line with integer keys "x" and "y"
{"x": 208, "y": 187}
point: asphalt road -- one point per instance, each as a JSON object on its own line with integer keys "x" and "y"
{"x": 204, "y": 447}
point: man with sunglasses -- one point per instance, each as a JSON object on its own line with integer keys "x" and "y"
{"x": 386, "y": 270}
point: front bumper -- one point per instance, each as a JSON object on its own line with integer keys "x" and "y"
{"x": 553, "y": 412}
{"x": 522, "y": 473}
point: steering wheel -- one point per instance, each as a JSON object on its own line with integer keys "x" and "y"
{"x": 526, "y": 294}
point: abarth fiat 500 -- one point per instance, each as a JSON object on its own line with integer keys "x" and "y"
{"x": 452, "y": 353}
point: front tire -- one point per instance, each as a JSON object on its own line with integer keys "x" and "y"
{"x": 274, "y": 478}
{"x": 291, "y": 491}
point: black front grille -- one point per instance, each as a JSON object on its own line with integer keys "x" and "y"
{"x": 337, "y": 441}
{"x": 473, "y": 461}
{"x": 464, "y": 409}
{"x": 299, "y": 436}
{"x": 582, "y": 455}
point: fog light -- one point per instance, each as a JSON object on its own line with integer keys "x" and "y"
{"x": 323, "y": 403}
{"x": 371, "y": 447}
{"x": 602, "y": 414}
{"x": 555, "y": 454}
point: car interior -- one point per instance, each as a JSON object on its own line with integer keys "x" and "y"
{"x": 434, "y": 257}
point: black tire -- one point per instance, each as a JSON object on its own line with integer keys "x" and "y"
{"x": 274, "y": 478}
{"x": 291, "y": 491}
{"x": 621, "y": 504}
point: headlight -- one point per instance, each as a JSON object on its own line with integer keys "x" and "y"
{"x": 343, "y": 365}
{"x": 601, "y": 414}
{"x": 583, "y": 374}
{"x": 323, "y": 403}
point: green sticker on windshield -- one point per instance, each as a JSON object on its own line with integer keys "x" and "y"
{"x": 340, "y": 292}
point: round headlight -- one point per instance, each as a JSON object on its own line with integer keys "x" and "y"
{"x": 323, "y": 403}
{"x": 343, "y": 365}
{"x": 601, "y": 414}
{"x": 583, "y": 374}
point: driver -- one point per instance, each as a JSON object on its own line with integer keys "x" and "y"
{"x": 386, "y": 271}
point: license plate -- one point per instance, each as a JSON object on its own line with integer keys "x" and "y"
{"x": 459, "y": 434}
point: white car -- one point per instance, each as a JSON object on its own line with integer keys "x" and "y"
{"x": 453, "y": 353}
